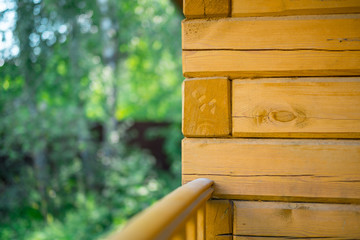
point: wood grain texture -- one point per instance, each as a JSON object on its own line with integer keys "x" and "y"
{"x": 174, "y": 209}
{"x": 291, "y": 7}
{"x": 219, "y": 220}
{"x": 206, "y": 107}
{"x": 191, "y": 227}
{"x": 201, "y": 223}
{"x": 296, "y": 220}
{"x": 334, "y": 32}
{"x": 296, "y": 107}
{"x": 276, "y": 169}
{"x": 206, "y": 8}
{"x": 263, "y": 63}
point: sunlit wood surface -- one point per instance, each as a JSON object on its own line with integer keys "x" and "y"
{"x": 179, "y": 215}
{"x": 290, "y": 166}
{"x": 296, "y": 107}
{"x": 206, "y": 107}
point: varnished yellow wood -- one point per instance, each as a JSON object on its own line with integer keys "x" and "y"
{"x": 180, "y": 235}
{"x": 268, "y": 238}
{"x": 291, "y": 7}
{"x": 327, "y": 32}
{"x": 193, "y": 8}
{"x": 191, "y": 228}
{"x": 200, "y": 224}
{"x": 206, "y": 8}
{"x": 206, "y": 107}
{"x": 237, "y": 64}
{"x": 219, "y": 220}
{"x": 168, "y": 215}
{"x": 296, "y": 220}
{"x": 296, "y": 107}
{"x": 282, "y": 169}
{"x": 327, "y": 171}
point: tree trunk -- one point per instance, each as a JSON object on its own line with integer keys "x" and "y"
{"x": 32, "y": 79}
{"x": 109, "y": 28}
{"x": 41, "y": 170}
{"x": 87, "y": 172}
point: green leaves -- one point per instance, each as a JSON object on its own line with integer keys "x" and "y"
{"x": 58, "y": 87}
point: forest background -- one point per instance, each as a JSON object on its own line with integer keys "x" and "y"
{"x": 75, "y": 78}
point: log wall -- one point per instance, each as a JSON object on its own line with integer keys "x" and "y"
{"x": 271, "y": 113}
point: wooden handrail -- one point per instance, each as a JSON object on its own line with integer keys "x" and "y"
{"x": 180, "y": 213}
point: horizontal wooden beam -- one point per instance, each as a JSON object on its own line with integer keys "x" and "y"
{"x": 270, "y": 63}
{"x": 270, "y": 169}
{"x": 246, "y": 8}
{"x": 291, "y": 7}
{"x": 296, "y": 107}
{"x": 295, "y": 220}
{"x": 334, "y": 32}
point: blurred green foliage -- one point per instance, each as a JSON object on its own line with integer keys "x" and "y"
{"x": 66, "y": 67}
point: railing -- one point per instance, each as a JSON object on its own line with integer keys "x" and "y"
{"x": 179, "y": 215}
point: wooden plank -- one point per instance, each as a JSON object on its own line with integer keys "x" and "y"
{"x": 219, "y": 220}
{"x": 206, "y": 107}
{"x": 296, "y": 107}
{"x": 191, "y": 227}
{"x": 200, "y": 224}
{"x": 276, "y": 169}
{"x": 334, "y": 32}
{"x": 238, "y": 64}
{"x": 174, "y": 209}
{"x": 291, "y": 7}
{"x": 180, "y": 235}
{"x": 274, "y": 238}
{"x": 277, "y": 238}
{"x": 206, "y": 8}
{"x": 296, "y": 220}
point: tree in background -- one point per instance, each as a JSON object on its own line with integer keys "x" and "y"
{"x": 68, "y": 65}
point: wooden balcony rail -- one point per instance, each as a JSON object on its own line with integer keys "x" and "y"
{"x": 179, "y": 215}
